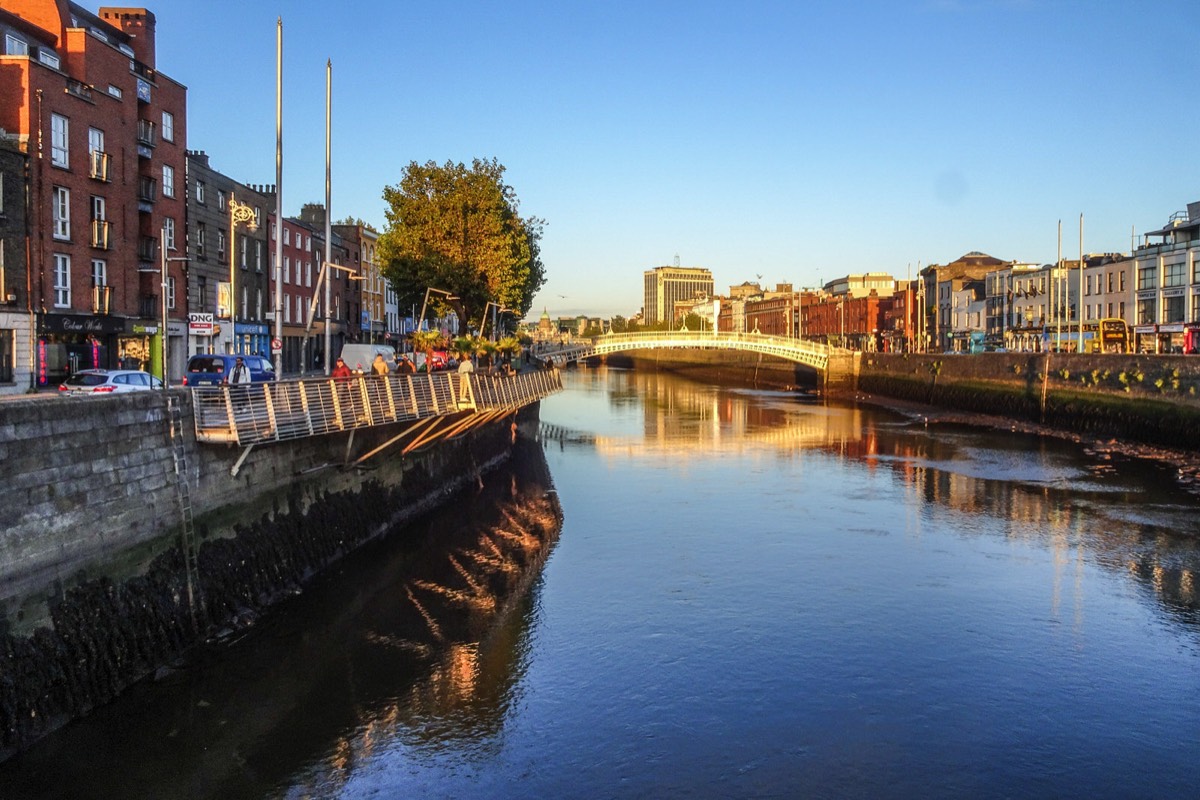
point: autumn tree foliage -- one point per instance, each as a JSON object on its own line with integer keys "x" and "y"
{"x": 458, "y": 229}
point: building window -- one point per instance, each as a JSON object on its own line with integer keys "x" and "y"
{"x": 1173, "y": 309}
{"x": 95, "y": 140}
{"x": 221, "y": 199}
{"x": 308, "y": 273}
{"x": 243, "y": 260}
{"x": 59, "y": 150}
{"x": 171, "y": 292}
{"x": 99, "y": 208}
{"x": 1174, "y": 275}
{"x": 202, "y": 291}
{"x": 14, "y": 46}
{"x": 221, "y": 245}
{"x": 62, "y": 280}
{"x": 287, "y": 264}
{"x": 168, "y": 126}
{"x": 168, "y": 180}
{"x": 1147, "y": 278}
{"x": 99, "y": 272}
{"x": 287, "y": 237}
{"x": 201, "y": 231}
{"x": 258, "y": 251}
{"x": 287, "y": 306}
{"x": 1146, "y": 310}
{"x": 169, "y": 233}
{"x": 62, "y": 212}
{"x": 299, "y": 308}
{"x": 200, "y": 192}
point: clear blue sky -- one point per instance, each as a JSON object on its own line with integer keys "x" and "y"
{"x": 798, "y": 141}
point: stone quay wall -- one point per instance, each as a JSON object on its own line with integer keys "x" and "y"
{"x": 1149, "y": 399}
{"x": 90, "y": 488}
{"x": 96, "y": 595}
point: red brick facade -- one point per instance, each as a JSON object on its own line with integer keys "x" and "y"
{"x": 106, "y": 136}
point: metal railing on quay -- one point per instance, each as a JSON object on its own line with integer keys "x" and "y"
{"x": 279, "y": 411}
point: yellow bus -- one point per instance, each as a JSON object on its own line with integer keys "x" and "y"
{"x": 1114, "y": 336}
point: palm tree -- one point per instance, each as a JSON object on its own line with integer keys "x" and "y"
{"x": 426, "y": 342}
{"x": 487, "y": 351}
{"x": 463, "y": 347}
{"x": 510, "y": 348}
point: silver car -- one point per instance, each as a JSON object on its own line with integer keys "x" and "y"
{"x": 106, "y": 381}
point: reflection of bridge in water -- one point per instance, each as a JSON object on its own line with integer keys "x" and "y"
{"x": 820, "y": 357}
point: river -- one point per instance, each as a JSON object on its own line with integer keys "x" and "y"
{"x": 697, "y": 591}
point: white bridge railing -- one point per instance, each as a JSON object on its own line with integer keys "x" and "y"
{"x": 813, "y": 354}
{"x": 259, "y": 413}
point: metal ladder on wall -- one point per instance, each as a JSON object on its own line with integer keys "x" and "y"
{"x": 187, "y": 533}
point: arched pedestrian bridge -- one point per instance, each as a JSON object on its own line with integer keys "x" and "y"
{"x": 811, "y": 354}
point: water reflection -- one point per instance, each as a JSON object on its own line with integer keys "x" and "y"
{"x": 1128, "y": 516}
{"x": 420, "y": 643}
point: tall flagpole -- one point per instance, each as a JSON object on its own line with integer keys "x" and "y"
{"x": 1062, "y": 301}
{"x": 328, "y": 210}
{"x": 278, "y": 193}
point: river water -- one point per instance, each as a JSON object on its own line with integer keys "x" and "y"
{"x": 710, "y": 592}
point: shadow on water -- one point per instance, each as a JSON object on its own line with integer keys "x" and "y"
{"x": 422, "y": 642}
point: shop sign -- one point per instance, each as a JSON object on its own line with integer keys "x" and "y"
{"x": 200, "y": 324}
{"x": 79, "y": 323}
{"x": 142, "y": 329}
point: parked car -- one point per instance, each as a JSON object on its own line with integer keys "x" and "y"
{"x": 106, "y": 381}
{"x": 214, "y": 369}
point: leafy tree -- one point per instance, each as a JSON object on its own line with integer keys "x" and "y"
{"x": 618, "y": 324}
{"x": 458, "y": 229}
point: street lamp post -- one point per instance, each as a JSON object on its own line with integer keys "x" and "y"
{"x": 163, "y": 290}
{"x": 496, "y": 309}
{"x": 238, "y": 212}
{"x": 449, "y": 296}
{"x": 324, "y": 275}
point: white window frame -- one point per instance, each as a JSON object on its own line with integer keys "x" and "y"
{"x": 15, "y": 46}
{"x": 61, "y": 203}
{"x": 99, "y": 272}
{"x": 287, "y": 308}
{"x": 168, "y": 126}
{"x": 168, "y": 180}
{"x": 200, "y": 192}
{"x": 287, "y": 265}
{"x": 95, "y": 140}
{"x": 62, "y": 280}
{"x": 169, "y": 233}
{"x": 60, "y": 141}
{"x": 171, "y": 292}
{"x": 99, "y": 208}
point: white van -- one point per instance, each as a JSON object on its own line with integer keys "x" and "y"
{"x": 358, "y": 357}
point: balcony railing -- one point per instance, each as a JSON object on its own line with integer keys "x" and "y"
{"x": 147, "y": 189}
{"x": 100, "y": 162}
{"x": 146, "y": 133}
{"x": 147, "y": 249}
{"x": 101, "y": 229}
{"x": 148, "y": 306}
{"x": 101, "y": 299}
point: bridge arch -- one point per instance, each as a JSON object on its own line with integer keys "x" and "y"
{"x": 811, "y": 354}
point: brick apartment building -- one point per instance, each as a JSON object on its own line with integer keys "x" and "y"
{"x": 105, "y": 133}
